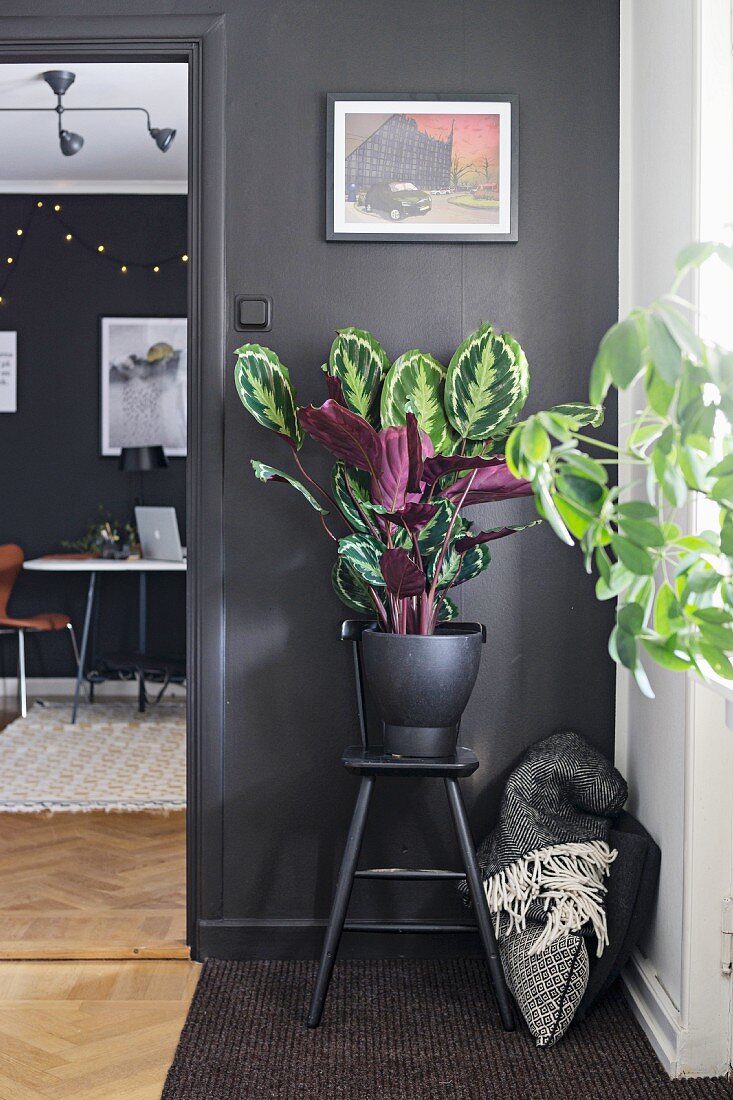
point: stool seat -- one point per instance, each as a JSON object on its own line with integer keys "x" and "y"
{"x": 368, "y": 762}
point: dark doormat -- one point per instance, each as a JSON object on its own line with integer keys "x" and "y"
{"x": 400, "y": 1030}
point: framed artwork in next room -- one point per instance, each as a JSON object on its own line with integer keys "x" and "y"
{"x": 143, "y": 384}
{"x": 422, "y": 167}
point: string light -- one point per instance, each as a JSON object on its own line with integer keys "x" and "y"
{"x": 99, "y": 249}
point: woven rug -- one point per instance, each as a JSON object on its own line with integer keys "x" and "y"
{"x": 400, "y": 1030}
{"x": 113, "y": 759}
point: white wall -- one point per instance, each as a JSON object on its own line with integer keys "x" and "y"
{"x": 675, "y": 751}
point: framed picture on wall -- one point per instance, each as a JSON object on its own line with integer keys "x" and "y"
{"x": 143, "y": 383}
{"x": 422, "y": 167}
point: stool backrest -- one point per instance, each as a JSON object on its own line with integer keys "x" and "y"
{"x": 11, "y": 563}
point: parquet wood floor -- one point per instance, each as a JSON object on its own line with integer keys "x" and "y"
{"x": 91, "y": 887}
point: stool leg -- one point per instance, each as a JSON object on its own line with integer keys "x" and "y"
{"x": 340, "y": 900}
{"x": 480, "y": 904}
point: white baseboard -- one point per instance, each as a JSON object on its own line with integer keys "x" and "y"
{"x": 43, "y": 687}
{"x": 654, "y": 1011}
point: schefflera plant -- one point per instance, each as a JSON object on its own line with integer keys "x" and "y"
{"x": 414, "y": 443}
{"x": 674, "y": 588}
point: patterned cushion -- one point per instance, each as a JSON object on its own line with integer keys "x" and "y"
{"x": 549, "y": 986}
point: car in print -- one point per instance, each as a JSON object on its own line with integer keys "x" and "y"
{"x": 397, "y": 199}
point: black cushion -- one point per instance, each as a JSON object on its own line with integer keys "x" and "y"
{"x": 632, "y": 889}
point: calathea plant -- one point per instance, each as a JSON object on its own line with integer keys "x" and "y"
{"x": 414, "y": 444}
{"x": 674, "y": 588}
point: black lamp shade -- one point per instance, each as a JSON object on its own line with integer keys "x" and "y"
{"x": 163, "y": 138}
{"x": 70, "y": 143}
{"x": 138, "y": 459}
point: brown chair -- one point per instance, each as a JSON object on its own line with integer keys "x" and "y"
{"x": 11, "y": 563}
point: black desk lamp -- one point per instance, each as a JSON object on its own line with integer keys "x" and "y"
{"x": 138, "y": 460}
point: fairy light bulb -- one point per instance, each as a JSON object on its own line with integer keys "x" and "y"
{"x": 123, "y": 269}
{"x": 100, "y": 248}
{"x": 39, "y": 204}
{"x": 10, "y": 259}
{"x": 184, "y": 257}
{"x": 57, "y": 207}
{"x": 68, "y": 237}
{"x": 156, "y": 269}
{"x": 19, "y": 232}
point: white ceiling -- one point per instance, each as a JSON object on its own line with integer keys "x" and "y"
{"x": 118, "y": 155}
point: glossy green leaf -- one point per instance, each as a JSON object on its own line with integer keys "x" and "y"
{"x": 535, "y": 442}
{"x": 642, "y": 532}
{"x": 637, "y": 509}
{"x": 581, "y": 490}
{"x": 416, "y": 380}
{"x": 692, "y": 255}
{"x": 486, "y": 384}
{"x": 350, "y": 588}
{"x": 680, "y": 328}
{"x": 630, "y": 617}
{"x": 719, "y": 662}
{"x": 474, "y": 562}
{"x": 633, "y": 557}
{"x": 659, "y": 393}
{"x": 363, "y": 552}
{"x": 625, "y": 647}
{"x": 586, "y": 466}
{"x": 663, "y": 349}
{"x": 619, "y": 357}
{"x": 265, "y": 390}
{"x": 269, "y": 473}
{"x": 358, "y": 360}
{"x": 580, "y": 414}
{"x": 667, "y": 610}
{"x": 665, "y": 655}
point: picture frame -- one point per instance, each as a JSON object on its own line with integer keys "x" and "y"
{"x": 428, "y": 167}
{"x": 8, "y": 371}
{"x": 143, "y": 368}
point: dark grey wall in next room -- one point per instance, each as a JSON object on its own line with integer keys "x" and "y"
{"x": 289, "y": 703}
{"x": 52, "y": 476}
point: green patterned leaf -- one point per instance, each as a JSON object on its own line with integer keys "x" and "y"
{"x": 349, "y": 587}
{"x": 358, "y": 360}
{"x": 448, "y": 612}
{"x": 430, "y": 539}
{"x": 474, "y": 562}
{"x": 265, "y": 390}
{"x": 269, "y": 473}
{"x": 363, "y": 552}
{"x": 486, "y": 384}
{"x": 344, "y": 478}
{"x": 415, "y": 380}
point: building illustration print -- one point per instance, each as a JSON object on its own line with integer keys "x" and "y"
{"x": 430, "y": 168}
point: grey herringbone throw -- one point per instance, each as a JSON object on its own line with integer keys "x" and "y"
{"x": 549, "y": 853}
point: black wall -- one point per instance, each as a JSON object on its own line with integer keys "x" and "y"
{"x": 289, "y": 703}
{"x": 53, "y": 478}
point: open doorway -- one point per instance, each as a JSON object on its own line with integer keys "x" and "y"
{"x": 93, "y": 426}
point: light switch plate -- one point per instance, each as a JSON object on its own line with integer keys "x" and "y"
{"x": 252, "y": 312}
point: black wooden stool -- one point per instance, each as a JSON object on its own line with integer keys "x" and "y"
{"x": 369, "y": 765}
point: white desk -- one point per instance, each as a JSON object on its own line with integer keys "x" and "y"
{"x": 94, "y": 567}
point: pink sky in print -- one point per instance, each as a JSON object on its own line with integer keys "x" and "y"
{"x": 474, "y": 136}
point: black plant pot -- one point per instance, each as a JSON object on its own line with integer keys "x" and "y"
{"x": 421, "y": 685}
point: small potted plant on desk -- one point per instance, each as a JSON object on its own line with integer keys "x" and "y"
{"x": 414, "y": 444}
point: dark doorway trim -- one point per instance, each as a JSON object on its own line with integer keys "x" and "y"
{"x": 200, "y": 41}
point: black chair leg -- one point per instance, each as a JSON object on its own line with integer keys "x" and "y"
{"x": 480, "y": 904}
{"x": 340, "y": 900}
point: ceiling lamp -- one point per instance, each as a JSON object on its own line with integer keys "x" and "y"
{"x": 59, "y": 81}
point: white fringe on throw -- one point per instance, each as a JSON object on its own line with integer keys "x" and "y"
{"x": 567, "y": 879}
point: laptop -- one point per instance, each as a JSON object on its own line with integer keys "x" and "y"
{"x": 159, "y": 536}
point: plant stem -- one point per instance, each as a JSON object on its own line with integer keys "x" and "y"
{"x": 446, "y": 540}
{"x": 315, "y": 484}
{"x": 326, "y": 528}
